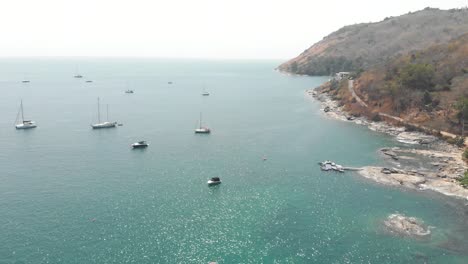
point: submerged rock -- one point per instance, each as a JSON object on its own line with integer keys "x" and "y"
{"x": 406, "y": 226}
{"x": 390, "y": 153}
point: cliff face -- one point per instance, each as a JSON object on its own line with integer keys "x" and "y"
{"x": 364, "y": 45}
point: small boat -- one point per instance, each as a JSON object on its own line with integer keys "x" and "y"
{"x": 89, "y": 81}
{"x": 77, "y": 75}
{"x": 140, "y": 144}
{"x": 214, "y": 181}
{"x": 331, "y": 166}
{"x": 129, "y": 91}
{"x": 106, "y": 124}
{"x": 25, "y": 124}
{"x": 169, "y": 82}
{"x": 25, "y": 81}
{"x": 205, "y": 93}
{"x": 201, "y": 129}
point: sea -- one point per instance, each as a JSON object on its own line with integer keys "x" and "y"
{"x": 71, "y": 194}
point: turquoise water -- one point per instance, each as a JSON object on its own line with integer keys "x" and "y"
{"x": 70, "y": 194}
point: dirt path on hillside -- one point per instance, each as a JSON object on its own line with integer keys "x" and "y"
{"x": 362, "y": 103}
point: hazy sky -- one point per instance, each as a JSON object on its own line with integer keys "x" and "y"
{"x": 185, "y": 28}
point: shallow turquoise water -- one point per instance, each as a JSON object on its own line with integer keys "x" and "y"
{"x": 69, "y": 194}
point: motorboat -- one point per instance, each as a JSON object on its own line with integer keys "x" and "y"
{"x": 331, "y": 166}
{"x": 129, "y": 91}
{"x": 140, "y": 144}
{"x": 24, "y": 124}
{"x": 214, "y": 181}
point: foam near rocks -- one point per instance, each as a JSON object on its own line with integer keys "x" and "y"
{"x": 406, "y": 226}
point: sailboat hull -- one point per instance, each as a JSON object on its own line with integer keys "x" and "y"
{"x": 202, "y": 131}
{"x": 104, "y": 125}
{"x": 25, "y": 126}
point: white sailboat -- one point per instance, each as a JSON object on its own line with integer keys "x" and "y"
{"x": 77, "y": 75}
{"x": 205, "y": 93}
{"x": 107, "y": 123}
{"x": 201, "y": 129}
{"x": 25, "y": 124}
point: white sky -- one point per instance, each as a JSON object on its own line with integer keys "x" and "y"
{"x": 236, "y": 29}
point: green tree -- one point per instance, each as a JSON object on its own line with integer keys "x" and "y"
{"x": 427, "y": 98}
{"x": 417, "y": 76}
{"x": 464, "y": 180}
{"x": 462, "y": 107}
{"x": 294, "y": 67}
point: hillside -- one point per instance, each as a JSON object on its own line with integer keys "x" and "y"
{"x": 363, "y": 45}
{"x": 427, "y": 87}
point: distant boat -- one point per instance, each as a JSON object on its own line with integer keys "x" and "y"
{"x": 201, "y": 129}
{"x": 214, "y": 181}
{"x": 205, "y": 93}
{"x": 140, "y": 144}
{"x": 89, "y": 81}
{"x": 25, "y": 124}
{"x": 77, "y": 75}
{"x": 25, "y": 79}
{"x": 107, "y": 123}
{"x": 129, "y": 91}
{"x": 169, "y": 82}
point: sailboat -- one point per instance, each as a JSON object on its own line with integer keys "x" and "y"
{"x": 201, "y": 129}
{"x": 25, "y": 80}
{"x": 105, "y": 124}
{"x": 205, "y": 93}
{"x": 77, "y": 75}
{"x": 25, "y": 124}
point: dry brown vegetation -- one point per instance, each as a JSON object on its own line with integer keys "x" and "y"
{"x": 434, "y": 103}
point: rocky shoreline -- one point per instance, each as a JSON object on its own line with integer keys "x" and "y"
{"x": 439, "y": 165}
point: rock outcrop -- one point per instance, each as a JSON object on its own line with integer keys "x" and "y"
{"x": 400, "y": 224}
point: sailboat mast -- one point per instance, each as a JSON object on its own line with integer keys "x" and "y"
{"x": 22, "y": 112}
{"x": 200, "y": 120}
{"x": 107, "y": 111}
{"x": 98, "y": 112}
